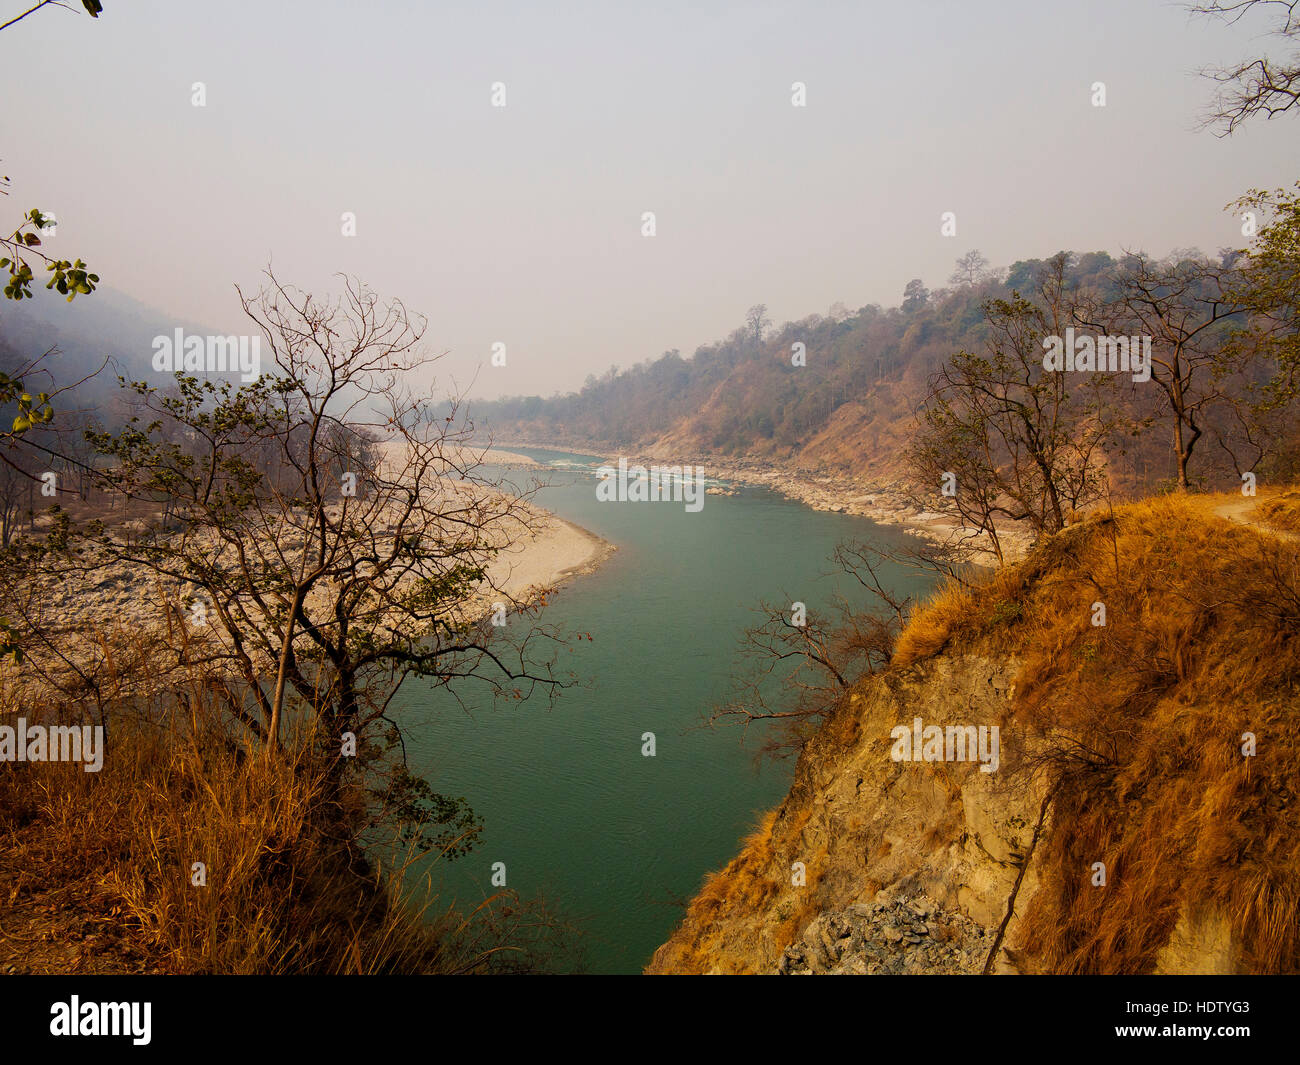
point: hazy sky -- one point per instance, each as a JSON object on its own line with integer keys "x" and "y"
{"x": 522, "y": 224}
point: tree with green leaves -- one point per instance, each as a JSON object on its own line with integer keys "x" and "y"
{"x": 69, "y": 278}
{"x": 1268, "y": 288}
{"x": 324, "y": 531}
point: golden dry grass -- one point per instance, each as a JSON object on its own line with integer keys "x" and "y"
{"x": 1281, "y": 511}
{"x": 287, "y": 889}
{"x": 1141, "y": 724}
{"x": 743, "y": 883}
{"x": 1138, "y": 724}
{"x": 748, "y": 884}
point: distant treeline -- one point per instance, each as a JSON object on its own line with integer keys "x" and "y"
{"x": 746, "y": 395}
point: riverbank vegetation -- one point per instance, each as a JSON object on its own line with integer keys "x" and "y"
{"x": 294, "y": 550}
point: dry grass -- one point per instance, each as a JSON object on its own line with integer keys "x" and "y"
{"x": 1140, "y": 725}
{"x": 1281, "y": 511}
{"x": 287, "y": 889}
{"x": 751, "y": 882}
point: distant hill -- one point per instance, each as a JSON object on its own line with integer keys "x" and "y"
{"x": 105, "y": 324}
{"x": 851, "y": 407}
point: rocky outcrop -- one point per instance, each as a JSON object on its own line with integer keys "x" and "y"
{"x": 1135, "y": 820}
{"x": 890, "y": 937}
{"x": 873, "y": 866}
{"x": 861, "y": 837}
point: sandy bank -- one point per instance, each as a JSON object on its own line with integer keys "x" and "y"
{"x": 538, "y": 551}
{"x": 558, "y": 552}
{"x": 549, "y": 554}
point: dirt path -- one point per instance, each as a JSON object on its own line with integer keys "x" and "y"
{"x": 1240, "y": 513}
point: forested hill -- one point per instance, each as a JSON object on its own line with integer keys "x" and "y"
{"x": 852, "y": 405}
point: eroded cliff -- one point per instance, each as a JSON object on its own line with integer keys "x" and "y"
{"x": 1139, "y": 816}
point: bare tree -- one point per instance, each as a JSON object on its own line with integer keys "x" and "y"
{"x": 757, "y": 322}
{"x": 797, "y": 662}
{"x": 14, "y": 483}
{"x": 1261, "y": 86}
{"x": 333, "y": 536}
{"x": 1185, "y": 308}
{"x": 1001, "y": 439}
{"x": 971, "y": 269}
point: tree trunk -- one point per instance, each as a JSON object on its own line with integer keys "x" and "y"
{"x": 277, "y": 700}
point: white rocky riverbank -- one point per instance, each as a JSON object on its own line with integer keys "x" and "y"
{"x": 886, "y": 502}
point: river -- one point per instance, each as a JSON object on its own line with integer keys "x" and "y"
{"x": 571, "y": 806}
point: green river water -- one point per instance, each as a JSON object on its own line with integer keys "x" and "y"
{"x": 571, "y": 806}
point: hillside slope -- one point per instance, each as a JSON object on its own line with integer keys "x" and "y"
{"x": 840, "y": 394}
{"x": 1121, "y": 744}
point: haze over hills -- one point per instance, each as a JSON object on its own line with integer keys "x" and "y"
{"x": 852, "y": 407}
{"x": 332, "y": 644}
{"x": 112, "y": 326}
